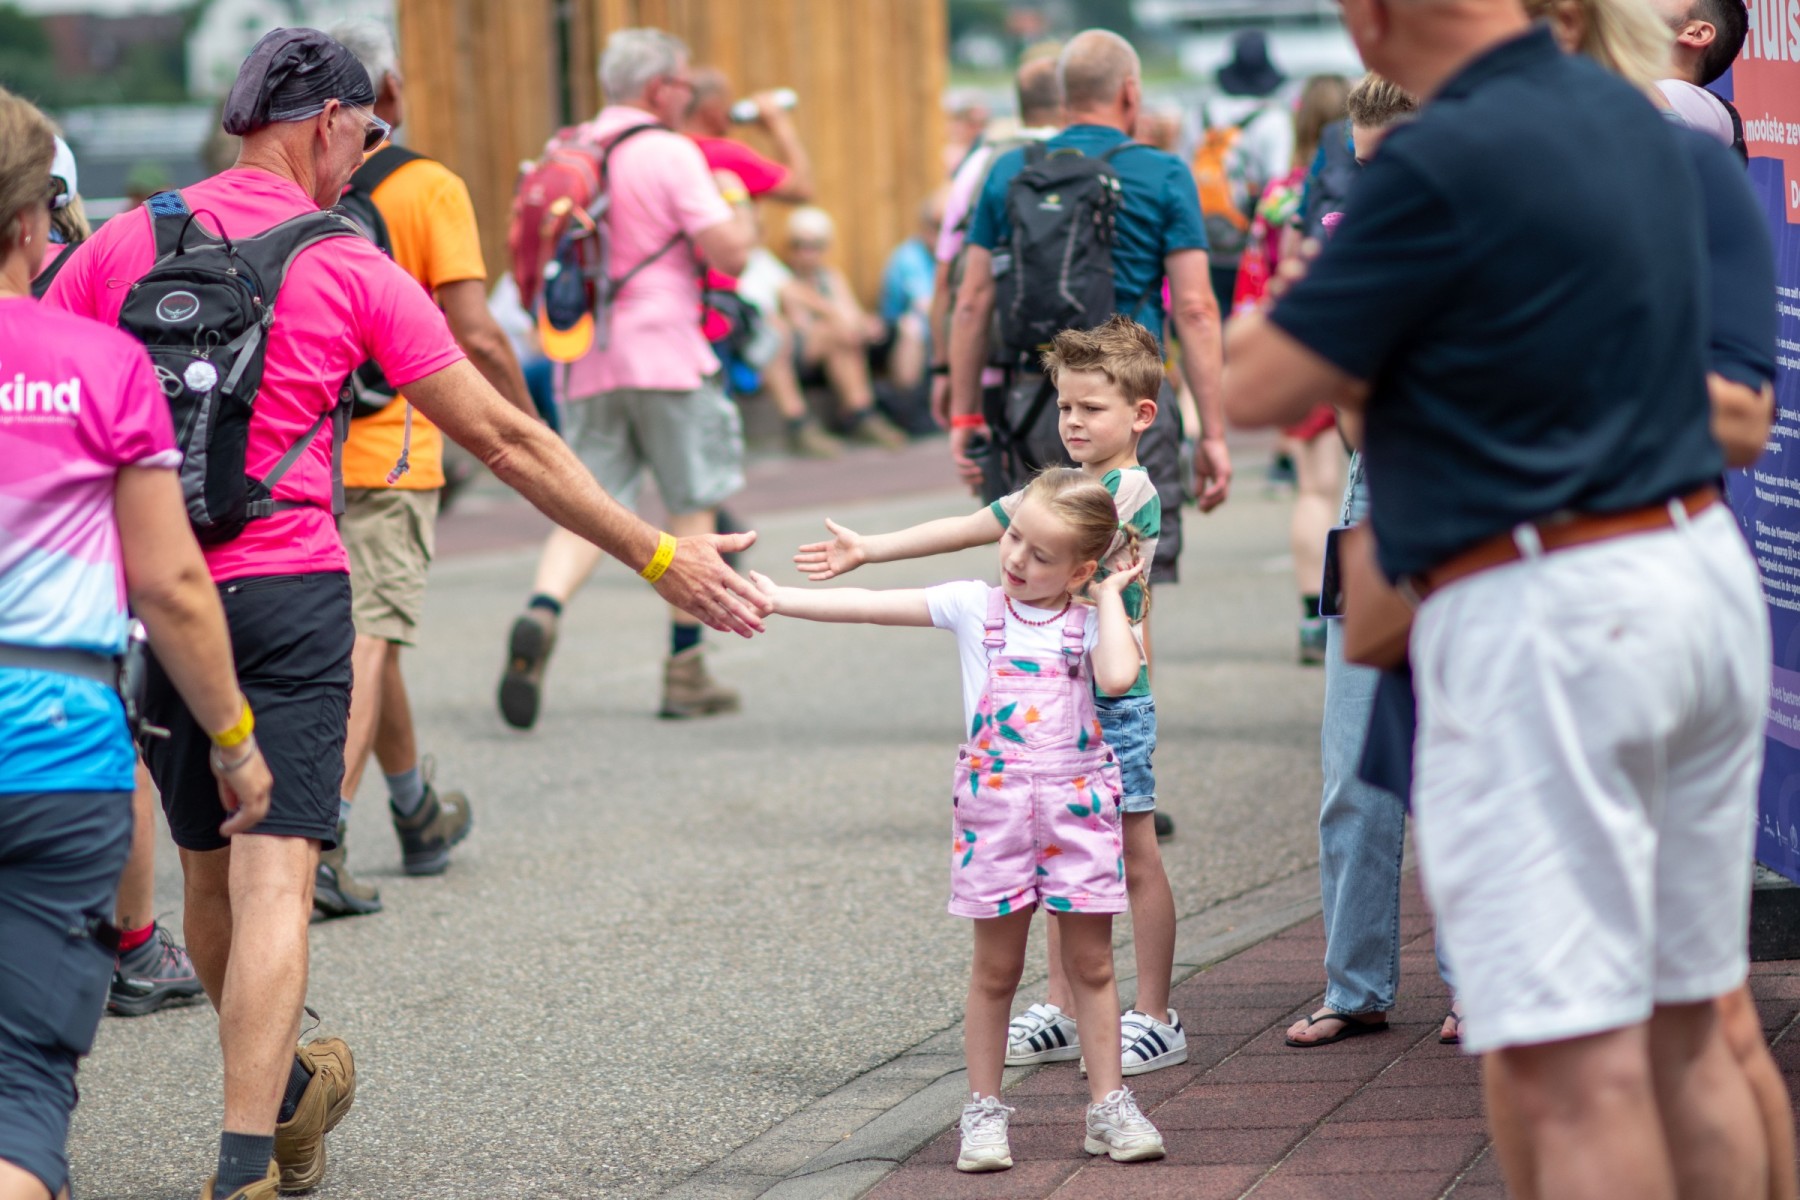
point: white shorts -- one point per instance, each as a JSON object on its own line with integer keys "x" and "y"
{"x": 1589, "y": 749}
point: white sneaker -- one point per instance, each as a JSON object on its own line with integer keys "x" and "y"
{"x": 1118, "y": 1130}
{"x": 1041, "y": 1034}
{"x": 1147, "y": 1044}
{"x": 984, "y": 1144}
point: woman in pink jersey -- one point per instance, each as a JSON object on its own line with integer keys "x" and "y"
{"x": 92, "y": 515}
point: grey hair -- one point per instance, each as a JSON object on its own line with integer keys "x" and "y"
{"x": 372, "y": 45}
{"x": 636, "y": 58}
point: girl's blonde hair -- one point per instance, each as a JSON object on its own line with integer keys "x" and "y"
{"x": 70, "y": 222}
{"x": 1321, "y": 103}
{"x": 1626, "y": 37}
{"x": 1086, "y": 508}
{"x": 27, "y": 148}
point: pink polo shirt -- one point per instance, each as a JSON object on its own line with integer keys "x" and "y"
{"x": 660, "y": 187}
{"x": 343, "y": 302}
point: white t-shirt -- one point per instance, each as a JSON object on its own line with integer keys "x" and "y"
{"x": 762, "y": 279}
{"x": 962, "y": 609}
{"x": 1698, "y": 109}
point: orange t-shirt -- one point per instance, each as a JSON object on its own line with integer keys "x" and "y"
{"x": 431, "y": 223}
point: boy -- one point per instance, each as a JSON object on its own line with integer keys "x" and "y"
{"x": 1107, "y": 380}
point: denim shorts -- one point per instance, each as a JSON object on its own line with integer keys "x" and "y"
{"x": 1129, "y": 726}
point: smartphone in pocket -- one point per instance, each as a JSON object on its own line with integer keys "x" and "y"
{"x": 1331, "y": 585}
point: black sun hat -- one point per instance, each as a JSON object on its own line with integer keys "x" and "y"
{"x": 1250, "y": 71}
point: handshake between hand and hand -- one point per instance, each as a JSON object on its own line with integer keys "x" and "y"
{"x": 699, "y": 582}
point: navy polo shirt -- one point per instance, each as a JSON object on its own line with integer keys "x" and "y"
{"x": 1160, "y": 215}
{"x": 1520, "y": 275}
{"x": 1740, "y": 258}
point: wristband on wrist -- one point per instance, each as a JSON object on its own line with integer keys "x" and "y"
{"x": 940, "y": 368}
{"x": 232, "y": 737}
{"x": 249, "y": 752}
{"x": 968, "y": 421}
{"x": 659, "y": 562}
{"x": 736, "y": 196}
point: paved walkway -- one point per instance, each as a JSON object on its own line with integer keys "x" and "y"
{"x": 1392, "y": 1116}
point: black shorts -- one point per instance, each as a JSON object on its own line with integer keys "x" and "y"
{"x": 1159, "y": 452}
{"x": 291, "y": 636}
{"x": 61, "y": 855}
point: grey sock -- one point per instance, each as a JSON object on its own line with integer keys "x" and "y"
{"x": 406, "y": 791}
{"x": 343, "y": 811}
{"x": 243, "y": 1160}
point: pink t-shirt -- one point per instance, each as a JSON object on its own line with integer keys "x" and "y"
{"x": 343, "y": 302}
{"x": 760, "y": 175}
{"x": 660, "y": 186}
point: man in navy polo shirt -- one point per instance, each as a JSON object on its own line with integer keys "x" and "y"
{"x": 1516, "y": 302}
{"x": 1158, "y": 236}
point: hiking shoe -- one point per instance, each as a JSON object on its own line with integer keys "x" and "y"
{"x": 1041, "y": 1034}
{"x": 527, "y": 654}
{"x": 266, "y": 1188}
{"x": 689, "y": 691}
{"x": 1118, "y": 1130}
{"x": 808, "y": 439}
{"x": 874, "y": 429}
{"x": 157, "y": 975}
{"x": 300, "y": 1140}
{"x": 436, "y": 825}
{"x": 1147, "y": 1044}
{"x": 1312, "y": 642}
{"x": 1164, "y": 825}
{"x": 336, "y": 892}
{"x": 984, "y": 1144}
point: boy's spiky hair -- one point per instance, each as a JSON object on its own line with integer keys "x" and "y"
{"x": 1122, "y": 350}
{"x": 1376, "y": 103}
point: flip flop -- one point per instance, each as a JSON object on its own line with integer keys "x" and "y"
{"x": 1454, "y": 1039}
{"x": 1352, "y": 1028}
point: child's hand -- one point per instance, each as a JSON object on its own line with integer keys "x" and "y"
{"x": 1114, "y": 584}
{"x": 827, "y": 560}
{"x": 768, "y": 587}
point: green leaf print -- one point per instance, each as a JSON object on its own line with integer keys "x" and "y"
{"x": 968, "y": 835}
{"x": 1079, "y": 810}
{"x": 976, "y": 727}
{"x": 1043, "y": 872}
{"x": 1058, "y": 903}
{"x": 974, "y": 782}
{"x": 1006, "y": 713}
{"x": 1081, "y": 742}
{"x": 1004, "y": 909}
{"x": 1011, "y": 734}
{"x": 1026, "y": 665}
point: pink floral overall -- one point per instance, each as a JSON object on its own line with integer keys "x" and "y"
{"x": 1035, "y": 800}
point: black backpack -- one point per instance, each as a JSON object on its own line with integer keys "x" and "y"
{"x": 1058, "y": 271}
{"x": 203, "y": 311}
{"x": 370, "y": 391}
{"x": 40, "y": 283}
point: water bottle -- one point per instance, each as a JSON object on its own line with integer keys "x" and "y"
{"x": 746, "y": 110}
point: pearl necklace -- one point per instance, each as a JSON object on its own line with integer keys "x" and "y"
{"x": 1046, "y": 621}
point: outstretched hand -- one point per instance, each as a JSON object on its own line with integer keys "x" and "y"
{"x": 820, "y": 561}
{"x": 700, "y": 584}
{"x": 1115, "y": 583}
{"x": 768, "y": 587}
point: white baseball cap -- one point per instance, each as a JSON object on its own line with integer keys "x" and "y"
{"x": 63, "y": 167}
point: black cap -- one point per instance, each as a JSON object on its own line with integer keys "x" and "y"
{"x": 1250, "y": 71}
{"x": 289, "y": 76}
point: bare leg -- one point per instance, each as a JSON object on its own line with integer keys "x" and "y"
{"x": 1589, "y": 1112}
{"x": 1059, "y": 978}
{"x": 906, "y": 362}
{"x": 778, "y": 376}
{"x": 368, "y": 673}
{"x": 685, "y": 526}
{"x": 137, "y": 886}
{"x": 567, "y": 561}
{"x": 1743, "y": 1032}
{"x": 16, "y": 1183}
{"x": 1088, "y": 959}
{"x": 847, "y": 367}
{"x": 396, "y": 745}
{"x": 1512, "y": 1143}
{"x": 1152, "y": 914}
{"x": 1319, "y": 465}
{"x": 993, "y": 981}
{"x": 1710, "y": 1118}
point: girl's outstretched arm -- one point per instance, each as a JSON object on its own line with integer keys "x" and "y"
{"x": 1117, "y": 658}
{"x": 849, "y": 549}
{"x": 850, "y": 606}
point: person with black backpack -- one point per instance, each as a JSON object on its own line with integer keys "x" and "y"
{"x": 256, "y": 301}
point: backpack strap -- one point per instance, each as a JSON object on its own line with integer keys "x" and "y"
{"x": 995, "y": 625}
{"x": 605, "y": 164}
{"x": 168, "y": 218}
{"x": 40, "y": 284}
{"x": 1127, "y": 144}
{"x": 384, "y": 162}
{"x": 1035, "y": 152}
{"x": 1074, "y": 636}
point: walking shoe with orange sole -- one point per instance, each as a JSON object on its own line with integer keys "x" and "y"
{"x": 300, "y": 1141}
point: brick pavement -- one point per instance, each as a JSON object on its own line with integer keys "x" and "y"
{"x": 1391, "y": 1116}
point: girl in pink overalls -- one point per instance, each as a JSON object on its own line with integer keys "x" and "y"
{"x": 1035, "y": 794}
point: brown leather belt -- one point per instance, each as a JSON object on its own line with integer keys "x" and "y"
{"x": 1582, "y": 529}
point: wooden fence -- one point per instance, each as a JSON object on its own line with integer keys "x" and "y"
{"x": 489, "y": 80}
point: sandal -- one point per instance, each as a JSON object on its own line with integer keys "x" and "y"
{"x": 1451, "y": 1019}
{"x": 1352, "y": 1028}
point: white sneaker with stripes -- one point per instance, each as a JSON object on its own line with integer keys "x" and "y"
{"x": 985, "y": 1146}
{"x": 1041, "y": 1034}
{"x": 1147, "y": 1044}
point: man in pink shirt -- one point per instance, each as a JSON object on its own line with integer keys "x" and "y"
{"x": 301, "y": 104}
{"x": 649, "y": 399}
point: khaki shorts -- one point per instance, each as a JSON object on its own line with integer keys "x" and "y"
{"x": 389, "y": 534}
{"x": 693, "y": 442}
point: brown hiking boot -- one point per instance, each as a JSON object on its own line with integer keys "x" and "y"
{"x": 336, "y": 892}
{"x": 688, "y": 691}
{"x": 808, "y": 440}
{"x": 266, "y": 1188}
{"x": 300, "y": 1142}
{"x": 874, "y": 429}
{"x": 527, "y": 654}
{"x": 436, "y": 825}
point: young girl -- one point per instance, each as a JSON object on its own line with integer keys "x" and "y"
{"x": 1035, "y": 795}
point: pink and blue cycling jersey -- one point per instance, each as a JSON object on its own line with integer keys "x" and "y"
{"x": 78, "y": 402}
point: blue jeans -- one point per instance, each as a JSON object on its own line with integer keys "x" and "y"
{"x": 1128, "y": 723}
{"x": 1362, "y": 833}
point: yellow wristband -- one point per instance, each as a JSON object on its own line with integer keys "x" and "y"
{"x": 237, "y": 733}
{"x": 665, "y": 554}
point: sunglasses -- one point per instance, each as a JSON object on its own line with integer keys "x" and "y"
{"x": 375, "y": 132}
{"x": 59, "y": 194}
